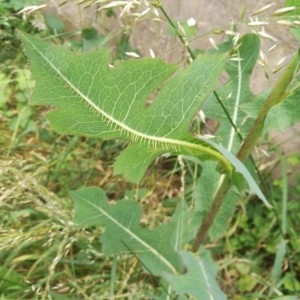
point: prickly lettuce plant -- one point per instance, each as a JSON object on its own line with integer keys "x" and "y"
{"x": 151, "y": 104}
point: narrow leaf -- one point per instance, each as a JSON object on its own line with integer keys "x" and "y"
{"x": 241, "y": 168}
{"x": 277, "y": 267}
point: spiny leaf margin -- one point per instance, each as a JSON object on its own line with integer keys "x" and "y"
{"x": 74, "y": 97}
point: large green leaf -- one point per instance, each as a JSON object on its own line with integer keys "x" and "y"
{"x": 92, "y": 99}
{"x": 123, "y": 233}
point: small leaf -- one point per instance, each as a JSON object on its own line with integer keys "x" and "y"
{"x": 123, "y": 233}
{"x": 199, "y": 281}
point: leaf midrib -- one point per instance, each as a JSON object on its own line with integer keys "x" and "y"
{"x": 209, "y": 286}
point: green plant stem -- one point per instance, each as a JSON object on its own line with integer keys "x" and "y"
{"x": 182, "y": 38}
{"x": 275, "y": 97}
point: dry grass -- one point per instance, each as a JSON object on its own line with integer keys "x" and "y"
{"x": 42, "y": 253}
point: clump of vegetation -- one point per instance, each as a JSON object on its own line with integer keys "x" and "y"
{"x": 184, "y": 227}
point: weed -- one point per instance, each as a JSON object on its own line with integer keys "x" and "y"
{"x": 149, "y": 236}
